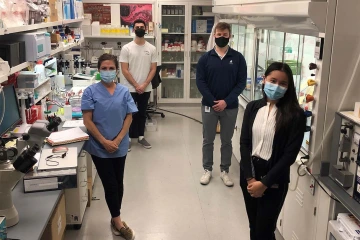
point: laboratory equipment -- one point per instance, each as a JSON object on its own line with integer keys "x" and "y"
{"x": 83, "y": 80}
{"x": 11, "y": 112}
{"x": 37, "y": 45}
{"x": 10, "y": 174}
{"x": 345, "y": 227}
{"x": 12, "y": 171}
{"x": 28, "y": 79}
{"x": 344, "y": 151}
{"x": 13, "y": 52}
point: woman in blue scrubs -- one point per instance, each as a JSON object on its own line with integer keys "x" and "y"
{"x": 107, "y": 112}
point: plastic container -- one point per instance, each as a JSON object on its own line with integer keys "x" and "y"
{"x": 68, "y": 112}
{"x": 60, "y": 80}
{"x": 40, "y": 68}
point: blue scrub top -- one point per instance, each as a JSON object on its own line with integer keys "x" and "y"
{"x": 109, "y": 112}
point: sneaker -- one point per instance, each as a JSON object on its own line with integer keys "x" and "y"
{"x": 129, "y": 149}
{"x": 127, "y": 233}
{"x": 144, "y": 143}
{"x": 114, "y": 230}
{"x": 205, "y": 178}
{"x": 226, "y": 179}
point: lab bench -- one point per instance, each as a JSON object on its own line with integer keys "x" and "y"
{"x": 35, "y": 209}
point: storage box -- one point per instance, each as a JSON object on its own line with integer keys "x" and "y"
{"x": 13, "y": 52}
{"x": 90, "y": 191}
{"x": 57, "y": 223}
{"x": 55, "y": 38}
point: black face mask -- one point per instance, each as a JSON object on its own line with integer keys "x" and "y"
{"x": 140, "y": 32}
{"x": 221, "y": 41}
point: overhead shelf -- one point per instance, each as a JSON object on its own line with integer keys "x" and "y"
{"x": 67, "y": 47}
{"x": 69, "y": 21}
{"x": 19, "y": 67}
{"x": 42, "y": 96}
{"x": 31, "y": 27}
{"x": 116, "y": 37}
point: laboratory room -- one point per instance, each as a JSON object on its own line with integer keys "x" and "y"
{"x": 179, "y": 120}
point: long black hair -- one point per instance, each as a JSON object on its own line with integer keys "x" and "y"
{"x": 288, "y": 106}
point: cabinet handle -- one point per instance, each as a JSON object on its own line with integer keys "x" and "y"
{"x": 83, "y": 184}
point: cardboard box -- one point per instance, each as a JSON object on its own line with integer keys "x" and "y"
{"x": 55, "y": 38}
{"x": 57, "y": 223}
{"x": 90, "y": 191}
{"x": 55, "y": 9}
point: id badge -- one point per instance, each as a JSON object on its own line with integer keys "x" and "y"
{"x": 207, "y": 109}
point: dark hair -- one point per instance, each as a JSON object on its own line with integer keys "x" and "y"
{"x": 139, "y": 21}
{"x": 109, "y": 57}
{"x": 223, "y": 26}
{"x": 288, "y": 106}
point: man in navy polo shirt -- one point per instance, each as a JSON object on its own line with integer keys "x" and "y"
{"x": 220, "y": 77}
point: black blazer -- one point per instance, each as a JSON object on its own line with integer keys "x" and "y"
{"x": 286, "y": 146}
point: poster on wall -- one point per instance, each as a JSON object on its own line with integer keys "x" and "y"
{"x": 131, "y": 12}
{"x": 99, "y": 12}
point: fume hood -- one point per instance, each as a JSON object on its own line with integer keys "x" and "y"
{"x": 305, "y": 17}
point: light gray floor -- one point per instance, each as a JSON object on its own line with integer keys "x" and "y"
{"x": 163, "y": 197}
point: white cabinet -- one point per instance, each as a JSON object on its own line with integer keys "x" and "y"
{"x": 91, "y": 169}
{"x": 76, "y": 198}
{"x": 185, "y": 29}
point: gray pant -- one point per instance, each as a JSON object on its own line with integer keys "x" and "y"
{"x": 227, "y": 120}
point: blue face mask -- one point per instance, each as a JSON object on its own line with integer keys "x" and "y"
{"x": 108, "y": 76}
{"x": 274, "y": 91}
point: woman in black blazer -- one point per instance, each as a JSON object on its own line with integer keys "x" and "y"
{"x": 271, "y": 137}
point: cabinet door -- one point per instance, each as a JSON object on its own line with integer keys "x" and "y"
{"x": 249, "y": 55}
{"x": 202, "y": 21}
{"x": 303, "y": 87}
{"x": 173, "y": 48}
{"x": 262, "y": 56}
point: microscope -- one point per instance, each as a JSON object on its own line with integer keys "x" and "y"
{"x": 14, "y": 166}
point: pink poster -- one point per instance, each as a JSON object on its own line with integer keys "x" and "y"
{"x": 131, "y": 12}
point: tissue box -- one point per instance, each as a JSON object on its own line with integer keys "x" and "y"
{"x": 3, "y": 234}
{"x": 357, "y": 110}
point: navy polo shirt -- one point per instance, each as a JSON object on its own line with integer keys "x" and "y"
{"x": 221, "y": 79}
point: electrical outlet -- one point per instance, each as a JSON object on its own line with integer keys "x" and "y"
{"x": 312, "y": 186}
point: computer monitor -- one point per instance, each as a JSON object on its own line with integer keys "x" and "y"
{"x": 12, "y": 113}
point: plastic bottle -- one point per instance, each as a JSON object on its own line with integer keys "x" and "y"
{"x": 40, "y": 68}
{"x": 60, "y": 80}
{"x": 131, "y": 30}
{"x": 122, "y": 30}
{"x": 127, "y": 30}
{"x": 68, "y": 111}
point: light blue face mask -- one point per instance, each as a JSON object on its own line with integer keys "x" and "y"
{"x": 274, "y": 91}
{"x": 108, "y": 76}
